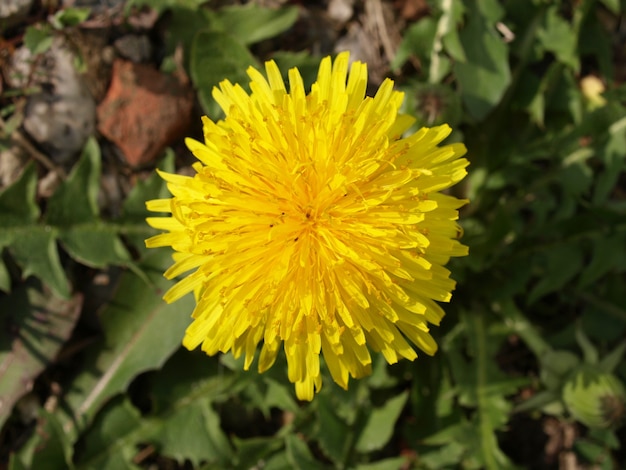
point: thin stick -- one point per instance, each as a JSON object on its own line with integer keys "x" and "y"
{"x": 23, "y": 142}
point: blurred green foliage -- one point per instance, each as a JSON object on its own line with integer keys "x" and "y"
{"x": 539, "y": 302}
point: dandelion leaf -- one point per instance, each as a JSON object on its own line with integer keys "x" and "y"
{"x": 41, "y": 323}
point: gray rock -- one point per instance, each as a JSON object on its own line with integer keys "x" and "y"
{"x": 62, "y": 116}
{"x": 12, "y": 163}
{"x": 134, "y": 47}
{"x": 13, "y": 12}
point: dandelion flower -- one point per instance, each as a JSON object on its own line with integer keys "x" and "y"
{"x": 311, "y": 224}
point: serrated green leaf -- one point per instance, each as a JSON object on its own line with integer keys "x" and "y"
{"x": 278, "y": 461}
{"x": 76, "y": 200}
{"x": 154, "y": 187}
{"x": 279, "y": 395}
{"x": 183, "y": 427}
{"x": 559, "y": 37}
{"x": 447, "y": 456}
{"x": 140, "y": 332}
{"x": 299, "y": 455}
{"x": 417, "y": 40}
{"x": 380, "y": 424}
{"x": 132, "y": 222}
{"x": 250, "y": 452}
{"x": 610, "y": 362}
{"x": 39, "y": 324}
{"x": 106, "y": 446}
{"x": 53, "y": 450}
{"x": 562, "y": 263}
{"x": 481, "y": 384}
{"x": 485, "y": 75}
{"x": 216, "y": 56}
{"x": 184, "y": 391}
{"x": 252, "y": 23}
{"x": 33, "y": 246}
{"x": 17, "y": 202}
{"x": 96, "y": 245}
{"x": 193, "y": 433}
{"x": 36, "y": 251}
{"x": 333, "y": 433}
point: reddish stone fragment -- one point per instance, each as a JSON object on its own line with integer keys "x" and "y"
{"x": 144, "y": 111}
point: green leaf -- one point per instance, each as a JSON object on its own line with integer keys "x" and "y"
{"x": 252, "y": 23}
{"x": 482, "y": 385}
{"x": 576, "y": 177}
{"x": 380, "y": 424}
{"x": 613, "y": 5}
{"x": 183, "y": 392}
{"x": 539, "y": 401}
{"x": 278, "y": 461}
{"x": 96, "y": 245}
{"x": 39, "y": 323}
{"x": 333, "y": 433}
{"x": 387, "y": 464}
{"x": 446, "y": 34}
{"x": 455, "y": 441}
{"x": 154, "y": 187}
{"x": 183, "y": 427}
{"x": 71, "y": 218}
{"x": 5, "y": 276}
{"x": 38, "y": 39}
{"x": 193, "y": 432}
{"x": 562, "y": 263}
{"x": 161, "y": 5}
{"x": 556, "y": 367}
{"x": 216, "y": 56}
{"x": 54, "y": 450}
{"x": 417, "y": 40}
{"x": 132, "y": 222}
{"x": 17, "y": 202}
{"x": 613, "y": 156}
{"x": 76, "y": 200}
{"x": 590, "y": 352}
{"x": 32, "y": 246}
{"x": 485, "y": 75}
{"x": 36, "y": 251}
{"x": 610, "y": 362}
{"x": 106, "y": 444}
{"x": 69, "y": 17}
{"x": 299, "y": 455}
{"x": 254, "y": 451}
{"x": 279, "y": 395}
{"x": 559, "y": 37}
{"x": 140, "y": 332}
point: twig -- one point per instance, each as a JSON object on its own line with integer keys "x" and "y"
{"x": 23, "y": 142}
{"x": 383, "y": 34}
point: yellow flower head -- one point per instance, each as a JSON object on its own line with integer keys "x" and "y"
{"x": 311, "y": 222}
